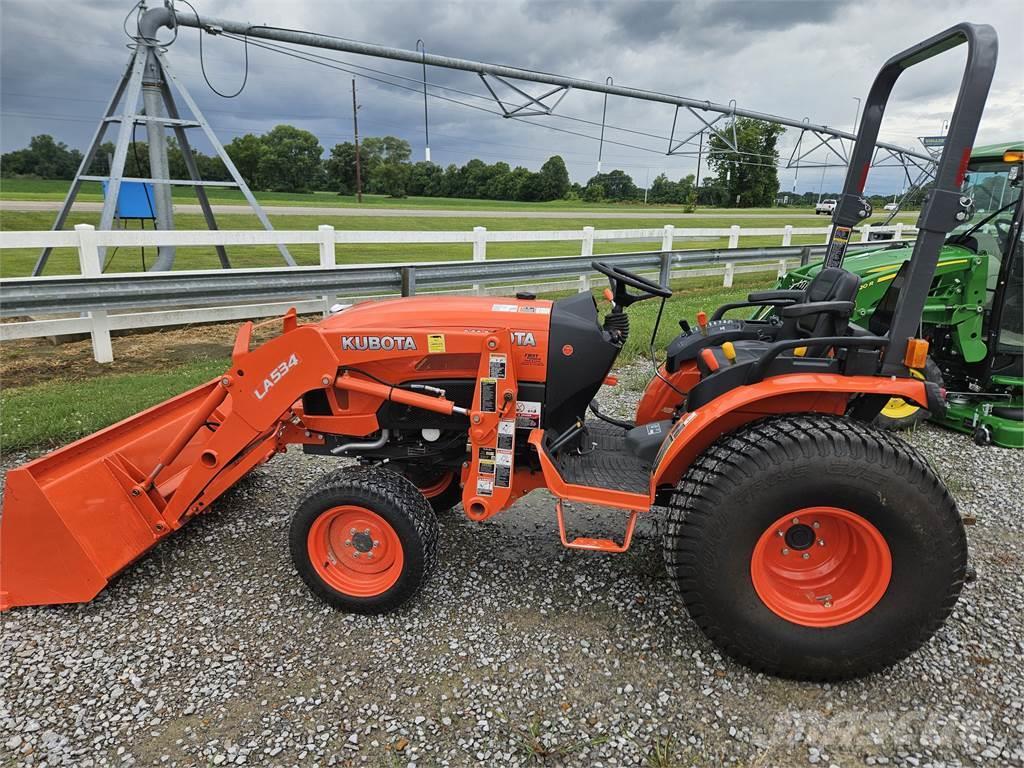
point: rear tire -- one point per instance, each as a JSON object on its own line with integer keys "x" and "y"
{"x": 364, "y": 540}
{"x": 443, "y": 491}
{"x": 899, "y": 414}
{"x": 884, "y": 582}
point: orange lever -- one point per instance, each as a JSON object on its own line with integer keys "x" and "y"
{"x": 709, "y": 359}
{"x": 609, "y": 295}
{"x": 702, "y": 323}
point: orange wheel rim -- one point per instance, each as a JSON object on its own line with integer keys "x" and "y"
{"x": 436, "y": 489}
{"x": 355, "y": 551}
{"x": 821, "y": 566}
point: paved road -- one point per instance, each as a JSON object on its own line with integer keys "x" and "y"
{"x": 303, "y": 210}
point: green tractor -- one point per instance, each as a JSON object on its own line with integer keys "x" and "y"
{"x": 974, "y": 314}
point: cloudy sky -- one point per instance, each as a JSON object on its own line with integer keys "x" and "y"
{"x": 60, "y": 59}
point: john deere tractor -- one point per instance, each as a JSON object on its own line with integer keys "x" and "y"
{"x": 974, "y": 313}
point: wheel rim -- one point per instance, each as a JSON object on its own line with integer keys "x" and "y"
{"x": 897, "y": 408}
{"x": 437, "y": 488}
{"x": 355, "y": 551}
{"x": 817, "y": 584}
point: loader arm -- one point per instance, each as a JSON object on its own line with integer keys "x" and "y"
{"x": 75, "y": 518}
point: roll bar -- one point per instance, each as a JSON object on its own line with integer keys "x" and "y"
{"x": 944, "y": 207}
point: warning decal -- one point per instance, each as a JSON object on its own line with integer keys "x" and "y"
{"x": 504, "y": 308}
{"x": 506, "y": 434}
{"x": 496, "y": 366}
{"x": 527, "y": 414}
{"x": 435, "y": 342}
{"x": 488, "y": 394}
{"x": 484, "y": 486}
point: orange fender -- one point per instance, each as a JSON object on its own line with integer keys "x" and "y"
{"x": 666, "y": 391}
{"x": 791, "y": 393}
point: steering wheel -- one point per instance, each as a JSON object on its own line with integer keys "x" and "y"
{"x": 620, "y": 278}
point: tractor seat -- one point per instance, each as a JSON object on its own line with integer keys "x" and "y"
{"x": 826, "y": 311}
{"x": 829, "y": 285}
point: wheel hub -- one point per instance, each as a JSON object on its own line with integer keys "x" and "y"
{"x": 800, "y": 537}
{"x": 362, "y": 541}
{"x": 821, "y": 566}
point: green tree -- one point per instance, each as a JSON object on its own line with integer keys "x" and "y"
{"x": 617, "y": 185}
{"x": 340, "y": 169}
{"x": 246, "y": 152}
{"x": 749, "y": 177}
{"x": 425, "y": 179}
{"x": 593, "y": 192}
{"x": 391, "y": 178}
{"x": 554, "y": 179}
{"x": 290, "y": 161}
{"x": 44, "y": 157}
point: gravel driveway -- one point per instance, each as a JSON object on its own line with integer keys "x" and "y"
{"x": 210, "y": 651}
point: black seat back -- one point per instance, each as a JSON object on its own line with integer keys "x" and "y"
{"x": 830, "y": 284}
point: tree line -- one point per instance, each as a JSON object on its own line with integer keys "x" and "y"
{"x": 290, "y": 159}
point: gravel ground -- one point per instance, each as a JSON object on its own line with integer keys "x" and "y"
{"x": 211, "y": 651}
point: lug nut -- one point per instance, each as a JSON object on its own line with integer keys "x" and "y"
{"x": 821, "y": 542}
{"x": 828, "y": 603}
{"x": 348, "y": 542}
{"x": 806, "y": 555}
{"x": 781, "y": 533}
{"x": 796, "y": 521}
{"x": 817, "y": 524}
{"x": 351, "y": 531}
{"x": 785, "y": 551}
{"x": 376, "y": 544}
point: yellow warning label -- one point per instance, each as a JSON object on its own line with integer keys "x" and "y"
{"x": 435, "y": 342}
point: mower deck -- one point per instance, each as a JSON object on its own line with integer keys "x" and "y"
{"x": 604, "y": 461}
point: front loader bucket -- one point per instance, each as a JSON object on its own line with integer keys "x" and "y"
{"x": 76, "y": 517}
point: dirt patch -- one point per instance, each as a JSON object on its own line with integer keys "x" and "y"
{"x": 35, "y": 361}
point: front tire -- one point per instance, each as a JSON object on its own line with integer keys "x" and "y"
{"x": 744, "y": 547}
{"x": 364, "y": 540}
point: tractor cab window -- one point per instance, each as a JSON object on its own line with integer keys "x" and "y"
{"x": 1011, "y": 323}
{"x": 996, "y": 196}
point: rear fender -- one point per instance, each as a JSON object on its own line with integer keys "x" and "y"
{"x": 665, "y": 392}
{"x": 791, "y": 393}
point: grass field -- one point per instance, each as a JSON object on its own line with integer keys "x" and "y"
{"x": 19, "y": 262}
{"x": 57, "y": 411}
{"x": 56, "y": 189}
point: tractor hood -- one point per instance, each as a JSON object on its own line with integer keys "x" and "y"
{"x": 444, "y": 312}
{"x": 870, "y": 265}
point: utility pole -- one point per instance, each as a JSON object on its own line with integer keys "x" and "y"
{"x": 355, "y": 126}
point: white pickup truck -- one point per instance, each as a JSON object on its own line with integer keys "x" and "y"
{"x": 828, "y": 207}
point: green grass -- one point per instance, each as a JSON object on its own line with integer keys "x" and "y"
{"x": 55, "y": 189}
{"x": 57, "y": 413}
{"x": 19, "y": 262}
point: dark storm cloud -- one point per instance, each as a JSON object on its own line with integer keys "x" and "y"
{"x": 62, "y": 59}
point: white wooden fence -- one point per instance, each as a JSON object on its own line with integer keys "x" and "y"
{"x": 88, "y": 241}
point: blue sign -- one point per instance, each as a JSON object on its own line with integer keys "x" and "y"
{"x": 134, "y": 201}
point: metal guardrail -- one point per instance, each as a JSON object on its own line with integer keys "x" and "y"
{"x": 65, "y": 294}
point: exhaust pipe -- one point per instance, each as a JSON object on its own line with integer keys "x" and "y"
{"x": 368, "y": 445}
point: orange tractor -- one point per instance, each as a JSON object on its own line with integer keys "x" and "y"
{"x": 802, "y": 541}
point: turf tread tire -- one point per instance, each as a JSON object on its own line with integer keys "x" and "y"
{"x": 750, "y": 456}
{"x": 390, "y": 495}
